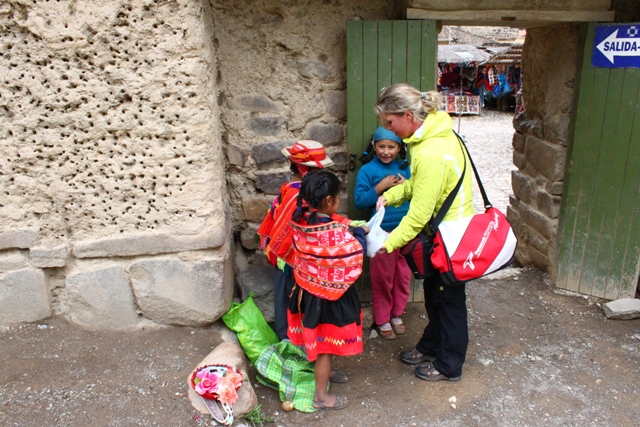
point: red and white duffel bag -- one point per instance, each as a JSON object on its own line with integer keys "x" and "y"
{"x": 465, "y": 249}
{"x": 471, "y": 247}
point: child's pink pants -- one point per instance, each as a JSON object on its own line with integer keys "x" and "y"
{"x": 390, "y": 281}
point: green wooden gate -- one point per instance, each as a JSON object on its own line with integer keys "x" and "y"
{"x": 379, "y": 54}
{"x": 599, "y": 233}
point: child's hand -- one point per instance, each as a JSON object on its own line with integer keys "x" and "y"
{"x": 401, "y": 179}
{"x": 386, "y": 183}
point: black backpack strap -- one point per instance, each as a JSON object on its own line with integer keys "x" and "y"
{"x": 435, "y": 222}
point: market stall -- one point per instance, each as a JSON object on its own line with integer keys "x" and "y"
{"x": 457, "y": 72}
{"x": 500, "y": 78}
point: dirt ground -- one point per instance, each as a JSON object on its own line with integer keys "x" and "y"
{"x": 536, "y": 357}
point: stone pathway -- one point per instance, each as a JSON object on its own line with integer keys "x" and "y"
{"x": 488, "y": 138}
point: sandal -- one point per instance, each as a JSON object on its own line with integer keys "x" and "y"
{"x": 397, "y": 325}
{"x": 338, "y": 377}
{"x": 386, "y": 334}
{"x": 341, "y": 403}
{"x": 414, "y": 357}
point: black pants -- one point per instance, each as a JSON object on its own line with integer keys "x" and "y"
{"x": 447, "y": 335}
{"x": 283, "y": 284}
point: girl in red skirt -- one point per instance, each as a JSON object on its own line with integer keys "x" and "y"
{"x": 324, "y": 312}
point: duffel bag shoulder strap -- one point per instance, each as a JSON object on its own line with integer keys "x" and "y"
{"x": 435, "y": 222}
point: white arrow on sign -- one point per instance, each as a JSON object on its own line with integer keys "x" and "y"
{"x": 613, "y": 46}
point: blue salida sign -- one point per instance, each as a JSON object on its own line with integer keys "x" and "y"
{"x": 616, "y": 46}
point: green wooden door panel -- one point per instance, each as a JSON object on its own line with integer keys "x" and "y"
{"x": 603, "y": 197}
{"x": 599, "y": 233}
{"x": 381, "y": 53}
{"x": 607, "y": 285}
{"x": 574, "y": 174}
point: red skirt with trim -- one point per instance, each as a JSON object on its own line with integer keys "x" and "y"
{"x": 325, "y": 327}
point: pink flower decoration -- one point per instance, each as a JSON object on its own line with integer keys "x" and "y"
{"x": 227, "y": 390}
{"x": 208, "y": 382}
{"x": 235, "y": 378}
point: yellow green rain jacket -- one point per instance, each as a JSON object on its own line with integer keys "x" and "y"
{"x": 436, "y": 166}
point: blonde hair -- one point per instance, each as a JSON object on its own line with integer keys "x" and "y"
{"x": 402, "y": 97}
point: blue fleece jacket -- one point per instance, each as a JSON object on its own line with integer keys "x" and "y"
{"x": 365, "y": 195}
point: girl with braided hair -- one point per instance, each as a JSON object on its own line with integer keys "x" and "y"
{"x": 390, "y": 275}
{"x": 324, "y": 312}
{"x": 275, "y": 234}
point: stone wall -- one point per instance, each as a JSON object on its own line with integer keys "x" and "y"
{"x": 112, "y": 206}
{"x": 540, "y": 141}
{"x": 282, "y": 78}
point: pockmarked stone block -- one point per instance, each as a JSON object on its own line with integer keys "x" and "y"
{"x": 149, "y": 244}
{"x": 622, "y": 309}
{"x": 173, "y": 292}
{"x": 23, "y": 297}
{"x": 20, "y": 239}
{"x": 255, "y": 208}
{"x": 101, "y": 298}
{"x": 43, "y": 257}
{"x": 328, "y": 135}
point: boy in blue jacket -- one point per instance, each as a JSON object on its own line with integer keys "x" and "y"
{"x": 389, "y": 272}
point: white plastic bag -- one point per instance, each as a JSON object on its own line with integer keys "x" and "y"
{"x": 377, "y": 236}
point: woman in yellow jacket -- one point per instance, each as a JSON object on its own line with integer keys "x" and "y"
{"x": 437, "y": 162}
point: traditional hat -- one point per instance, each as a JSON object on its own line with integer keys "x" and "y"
{"x": 308, "y": 153}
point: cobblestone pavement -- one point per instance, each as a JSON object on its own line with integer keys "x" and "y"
{"x": 489, "y": 138}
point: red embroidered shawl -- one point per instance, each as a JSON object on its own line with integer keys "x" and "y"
{"x": 328, "y": 259}
{"x": 276, "y": 235}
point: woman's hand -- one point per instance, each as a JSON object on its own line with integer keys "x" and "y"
{"x": 382, "y": 250}
{"x": 382, "y": 201}
{"x": 366, "y": 229}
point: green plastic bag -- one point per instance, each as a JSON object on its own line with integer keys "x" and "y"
{"x": 253, "y": 331}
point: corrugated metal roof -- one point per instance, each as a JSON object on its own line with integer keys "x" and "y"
{"x": 454, "y": 35}
{"x": 461, "y": 53}
{"x": 511, "y": 56}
